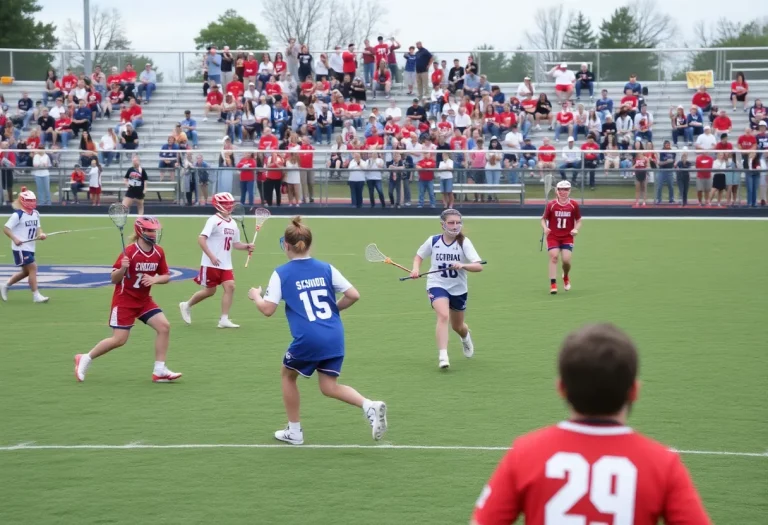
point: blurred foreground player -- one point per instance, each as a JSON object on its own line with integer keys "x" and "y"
{"x": 593, "y": 468}
{"x": 561, "y": 222}
{"x": 142, "y": 265}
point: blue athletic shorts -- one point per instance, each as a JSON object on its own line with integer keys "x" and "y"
{"x": 329, "y": 367}
{"x": 23, "y": 258}
{"x": 455, "y": 302}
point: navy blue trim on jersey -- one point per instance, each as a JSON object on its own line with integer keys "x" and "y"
{"x": 329, "y": 367}
{"x": 568, "y": 247}
{"x": 436, "y": 238}
{"x": 457, "y": 303}
{"x": 19, "y": 213}
{"x": 23, "y": 258}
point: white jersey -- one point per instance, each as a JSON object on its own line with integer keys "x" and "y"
{"x": 24, "y": 226}
{"x": 222, "y": 235}
{"x": 443, "y": 256}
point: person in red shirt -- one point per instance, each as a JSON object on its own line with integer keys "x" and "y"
{"x": 137, "y": 115}
{"x": 437, "y": 76}
{"x": 140, "y": 266}
{"x": 64, "y": 128}
{"x": 374, "y": 140}
{"x": 247, "y": 177}
{"x": 426, "y": 178}
{"x": 274, "y": 178}
{"x": 739, "y": 91}
{"x": 564, "y": 122}
{"x": 704, "y": 178}
{"x": 702, "y": 101}
{"x": 382, "y": 79}
{"x": 380, "y": 51}
{"x": 547, "y": 156}
{"x": 250, "y": 70}
{"x": 560, "y": 224}
{"x": 593, "y": 468}
{"x": 128, "y": 80}
{"x": 590, "y": 149}
{"x": 746, "y": 142}
{"x": 76, "y": 181}
{"x": 272, "y": 88}
{"x": 279, "y": 65}
{"x": 68, "y": 82}
{"x": 306, "y": 165}
{"x": 236, "y": 88}
{"x": 115, "y": 77}
{"x": 213, "y": 101}
{"x": 722, "y": 124}
{"x": 349, "y": 61}
{"x": 629, "y": 100}
{"x": 268, "y": 140}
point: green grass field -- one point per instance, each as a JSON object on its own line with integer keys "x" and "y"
{"x": 691, "y": 293}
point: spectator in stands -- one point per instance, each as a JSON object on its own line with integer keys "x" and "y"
{"x": 585, "y": 79}
{"x": 624, "y": 128}
{"x": 41, "y": 162}
{"x": 147, "y": 83}
{"x": 99, "y": 81}
{"x": 755, "y": 179}
{"x": 369, "y": 62}
{"x": 580, "y": 118}
{"x": 633, "y": 85}
{"x": 564, "y": 81}
{"x": 665, "y": 173}
{"x": 704, "y": 165}
{"x": 695, "y": 122}
{"x": 129, "y": 139}
{"x": 88, "y": 149}
{"x": 571, "y": 156}
{"x": 189, "y": 127}
{"x": 455, "y": 77}
{"x": 107, "y": 147}
{"x": 382, "y": 80}
{"x": 680, "y": 126}
{"x": 115, "y": 77}
{"x": 349, "y": 62}
{"x": 702, "y": 101}
{"x": 68, "y": 83}
{"x": 247, "y": 177}
{"x": 280, "y": 120}
{"x": 719, "y": 185}
{"x": 113, "y": 100}
{"x": 641, "y": 165}
{"x": 76, "y": 182}
{"x": 643, "y": 125}
{"x": 612, "y": 157}
{"x": 423, "y": 62}
{"x": 212, "y": 62}
{"x": 757, "y": 114}
{"x": 233, "y": 122}
{"x": 52, "y": 87}
{"x": 58, "y": 109}
{"x": 203, "y": 177}
{"x": 227, "y": 66}
{"x": 129, "y": 78}
{"x": 213, "y": 101}
{"x": 525, "y": 88}
{"x": 739, "y": 91}
{"x": 544, "y": 112}
{"x": 722, "y": 124}
{"x": 305, "y": 61}
{"x": 64, "y": 129}
{"x": 604, "y": 105}
{"x": 594, "y": 125}
{"x": 683, "y": 167}
{"x": 591, "y": 156}
{"x": 169, "y": 159}
{"x": 564, "y": 120}
{"x": 706, "y": 141}
{"x": 25, "y": 111}
{"x": 47, "y": 126}
{"x": 7, "y": 163}
{"x": 335, "y": 64}
{"x": 81, "y": 120}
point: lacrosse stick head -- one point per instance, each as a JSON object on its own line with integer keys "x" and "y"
{"x": 548, "y": 180}
{"x": 238, "y": 212}
{"x": 373, "y": 254}
{"x": 119, "y": 214}
{"x": 262, "y": 214}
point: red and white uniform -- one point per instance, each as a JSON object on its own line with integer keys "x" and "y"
{"x": 588, "y": 474}
{"x": 561, "y": 219}
{"x": 222, "y": 235}
{"x": 131, "y": 299}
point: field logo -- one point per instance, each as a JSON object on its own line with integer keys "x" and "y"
{"x": 81, "y": 276}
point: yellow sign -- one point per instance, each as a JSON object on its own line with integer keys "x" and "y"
{"x": 696, "y": 79}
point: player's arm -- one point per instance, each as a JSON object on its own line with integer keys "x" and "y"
{"x": 202, "y": 241}
{"x": 577, "y": 216}
{"x": 683, "y": 505}
{"x": 416, "y": 267}
{"x": 118, "y": 271}
{"x": 350, "y": 295}
{"x": 425, "y": 250}
{"x": 267, "y": 305}
{"x": 471, "y": 254}
{"x": 499, "y": 503}
{"x": 545, "y": 221}
{"x": 151, "y": 280}
{"x": 242, "y": 246}
{"x": 8, "y": 229}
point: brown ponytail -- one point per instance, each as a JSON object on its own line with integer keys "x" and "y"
{"x": 460, "y": 239}
{"x": 298, "y": 236}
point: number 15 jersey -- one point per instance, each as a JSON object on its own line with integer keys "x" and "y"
{"x": 131, "y": 292}
{"x": 222, "y": 234}
{"x": 309, "y": 289}
{"x": 590, "y": 474}
{"x": 443, "y": 256}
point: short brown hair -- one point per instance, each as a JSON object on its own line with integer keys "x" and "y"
{"x": 598, "y": 366}
{"x": 298, "y": 235}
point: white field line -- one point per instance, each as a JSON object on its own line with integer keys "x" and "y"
{"x": 200, "y": 446}
{"x": 436, "y": 217}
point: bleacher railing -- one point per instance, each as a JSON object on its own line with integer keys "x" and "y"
{"x": 662, "y": 64}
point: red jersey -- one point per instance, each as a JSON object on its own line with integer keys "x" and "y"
{"x": 459, "y": 143}
{"x": 69, "y": 82}
{"x": 374, "y": 140}
{"x": 246, "y": 166}
{"x": 747, "y": 142}
{"x": 641, "y": 162}
{"x": 64, "y": 124}
{"x": 704, "y": 162}
{"x": 393, "y": 129}
{"x": 564, "y": 118}
{"x": 214, "y": 98}
{"x": 275, "y": 162}
{"x": 723, "y": 146}
{"x": 579, "y": 473}
{"x": 630, "y": 100}
{"x": 268, "y": 142}
{"x": 236, "y": 88}
{"x": 338, "y": 108}
{"x": 739, "y": 87}
{"x": 306, "y": 160}
{"x": 506, "y": 119}
{"x": 381, "y": 51}
{"x": 349, "y": 61}
{"x": 701, "y": 100}
{"x": 279, "y": 68}
{"x": 114, "y": 79}
{"x": 587, "y": 148}
{"x": 561, "y": 218}
{"x": 272, "y": 89}
{"x": 437, "y": 77}
{"x": 529, "y": 105}
{"x": 78, "y": 176}
{"x": 547, "y": 157}
{"x": 426, "y": 164}
{"x": 32, "y": 143}
{"x": 115, "y": 97}
{"x": 722, "y": 123}
{"x": 129, "y": 77}
{"x": 131, "y": 292}
{"x": 135, "y": 111}
{"x": 250, "y": 68}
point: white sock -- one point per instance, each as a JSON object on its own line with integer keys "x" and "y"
{"x": 224, "y": 317}
{"x": 85, "y": 362}
{"x": 294, "y": 427}
{"x": 159, "y": 366}
{"x": 443, "y": 354}
{"x": 465, "y": 338}
{"x": 366, "y": 405}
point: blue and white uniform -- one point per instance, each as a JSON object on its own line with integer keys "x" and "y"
{"x": 24, "y": 226}
{"x": 448, "y": 283}
{"x": 309, "y": 289}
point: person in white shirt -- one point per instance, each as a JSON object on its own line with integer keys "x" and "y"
{"x": 706, "y": 141}
{"x": 571, "y": 159}
{"x": 463, "y": 121}
{"x": 373, "y": 179}
{"x": 147, "y": 83}
{"x": 356, "y": 179}
{"x": 719, "y": 176}
{"x": 251, "y": 93}
{"x": 217, "y": 240}
{"x": 414, "y": 148}
{"x": 336, "y": 63}
{"x": 395, "y": 112}
{"x": 58, "y": 110}
{"x": 41, "y": 162}
{"x": 525, "y": 88}
{"x": 107, "y": 147}
{"x": 445, "y": 174}
{"x": 644, "y": 125}
{"x": 94, "y": 183}
{"x": 564, "y": 81}
{"x": 24, "y": 228}
{"x": 624, "y": 125}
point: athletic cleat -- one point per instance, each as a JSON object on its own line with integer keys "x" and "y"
{"x": 186, "y": 312}
{"x": 4, "y": 292}
{"x": 553, "y": 288}
{"x": 377, "y": 417}
{"x": 226, "y": 323}
{"x": 80, "y": 377}
{"x": 40, "y": 299}
{"x": 294, "y": 438}
{"x": 566, "y": 283}
{"x": 443, "y": 362}
{"x": 467, "y": 346}
{"x": 165, "y": 377}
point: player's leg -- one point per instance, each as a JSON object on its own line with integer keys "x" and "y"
{"x": 328, "y": 380}
{"x": 208, "y": 280}
{"x": 565, "y": 256}
{"x": 83, "y": 361}
{"x": 32, "y": 280}
{"x": 156, "y": 320}
{"x": 226, "y": 304}
{"x": 291, "y": 400}
{"x": 140, "y": 206}
{"x": 460, "y": 327}
{"x": 554, "y": 256}
{"x": 16, "y": 277}
{"x": 440, "y": 305}
{"x": 128, "y": 202}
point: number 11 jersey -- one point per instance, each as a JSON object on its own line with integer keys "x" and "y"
{"x": 309, "y": 289}
{"x": 131, "y": 292}
{"x": 443, "y": 256}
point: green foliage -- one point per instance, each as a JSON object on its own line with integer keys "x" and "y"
{"x": 620, "y": 32}
{"x": 754, "y": 34}
{"x": 503, "y": 67}
{"x": 579, "y": 34}
{"x": 18, "y": 29}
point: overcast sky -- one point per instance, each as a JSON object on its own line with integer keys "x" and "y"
{"x": 448, "y": 25}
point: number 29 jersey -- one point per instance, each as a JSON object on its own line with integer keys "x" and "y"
{"x": 131, "y": 292}
{"x": 575, "y": 472}
{"x": 309, "y": 289}
{"x": 443, "y": 256}
{"x": 222, "y": 234}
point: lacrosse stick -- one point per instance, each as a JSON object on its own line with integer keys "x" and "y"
{"x": 262, "y": 214}
{"x": 238, "y": 214}
{"x": 374, "y": 255}
{"x": 66, "y": 231}
{"x": 433, "y": 271}
{"x": 119, "y": 215}
{"x": 547, "y": 180}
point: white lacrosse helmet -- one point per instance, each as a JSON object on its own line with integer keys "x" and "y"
{"x": 223, "y": 202}
{"x": 563, "y": 189}
{"x": 27, "y": 200}
{"x": 444, "y": 217}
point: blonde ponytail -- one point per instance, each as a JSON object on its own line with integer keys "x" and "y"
{"x": 298, "y": 236}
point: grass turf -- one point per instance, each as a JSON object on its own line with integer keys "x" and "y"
{"x": 678, "y": 287}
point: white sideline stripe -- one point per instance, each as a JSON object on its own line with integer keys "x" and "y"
{"x": 187, "y": 446}
{"x": 436, "y": 216}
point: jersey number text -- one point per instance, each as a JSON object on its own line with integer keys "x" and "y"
{"x": 562, "y": 223}
{"x": 446, "y": 272}
{"x": 227, "y": 243}
{"x": 316, "y": 304}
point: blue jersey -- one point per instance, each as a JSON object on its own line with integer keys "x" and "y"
{"x": 309, "y": 289}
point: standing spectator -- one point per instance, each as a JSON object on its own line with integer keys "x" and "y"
{"x": 702, "y": 101}
{"x": 292, "y": 52}
{"x": 250, "y": 70}
{"x": 641, "y": 166}
{"x": 247, "y": 165}
{"x": 107, "y": 147}
{"x": 356, "y": 179}
{"x": 212, "y": 63}
{"x": 41, "y": 162}
{"x": 571, "y": 159}
{"x": 335, "y": 64}
{"x": 446, "y": 181}
{"x": 305, "y": 61}
{"x": 349, "y": 62}
{"x": 590, "y": 149}
{"x": 392, "y": 60}
{"x": 147, "y": 84}
{"x": 423, "y": 61}
{"x": 633, "y": 85}
{"x": 7, "y": 163}
{"x": 604, "y": 105}
{"x": 369, "y": 62}
{"x": 703, "y": 178}
{"x": 203, "y": 177}
{"x": 409, "y": 75}
{"x": 564, "y": 81}
{"x": 94, "y": 183}
{"x": 373, "y": 175}
{"x": 683, "y": 177}
{"x": 719, "y": 167}
{"x": 585, "y": 79}
{"x": 227, "y": 66}
{"x": 754, "y": 178}
{"x": 665, "y": 173}
{"x": 426, "y": 178}
{"x": 307, "y": 175}
{"x": 706, "y": 141}
{"x": 396, "y": 173}
{"x": 455, "y": 76}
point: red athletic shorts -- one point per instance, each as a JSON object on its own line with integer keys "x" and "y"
{"x": 562, "y": 243}
{"x": 212, "y": 277}
{"x": 123, "y": 317}
{"x": 563, "y": 87}
{"x": 94, "y": 190}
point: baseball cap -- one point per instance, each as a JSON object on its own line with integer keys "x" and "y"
{"x": 762, "y": 123}
{"x": 494, "y": 138}
{"x": 706, "y": 128}
{"x": 226, "y": 138}
{"x": 564, "y": 65}
{"x": 187, "y": 112}
{"x": 527, "y": 78}
{"x": 417, "y": 100}
{"x": 570, "y": 139}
